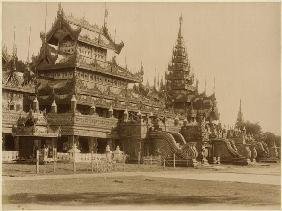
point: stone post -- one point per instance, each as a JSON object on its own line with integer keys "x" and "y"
{"x": 35, "y": 105}
{"x": 204, "y": 153}
{"x": 253, "y": 153}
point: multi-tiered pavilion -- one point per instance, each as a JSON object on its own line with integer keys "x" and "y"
{"x": 75, "y": 94}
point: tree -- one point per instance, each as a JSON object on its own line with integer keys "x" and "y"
{"x": 271, "y": 138}
{"x": 252, "y": 128}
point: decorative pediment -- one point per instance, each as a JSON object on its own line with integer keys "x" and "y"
{"x": 45, "y": 55}
{"x": 61, "y": 29}
{"x": 117, "y": 47}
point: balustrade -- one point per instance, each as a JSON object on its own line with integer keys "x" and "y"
{"x": 89, "y": 121}
{"x": 9, "y": 156}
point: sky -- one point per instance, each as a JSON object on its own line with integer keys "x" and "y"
{"x": 238, "y": 44}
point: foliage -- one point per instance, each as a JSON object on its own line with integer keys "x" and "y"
{"x": 271, "y": 138}
{"x": 252, "y": 128}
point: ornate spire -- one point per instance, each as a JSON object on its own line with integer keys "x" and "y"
{"x": 197, "y": 85}
{"x": 155, "y": 80}
{"x": 214, "y": 85}
{"x": 147, "y": 84}
{"x": 27, "y": 60}
{"x": 14, "y": 44}
{"x": 158, "y": 84}
{"x": 205, "y": 86}
{"x": 60, "y": 10}
{"x": 105, "y": 15}
{"x": 180, "y": 26}
{"x": 240, "y": 120}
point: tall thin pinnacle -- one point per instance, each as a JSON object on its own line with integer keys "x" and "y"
{"x": 28, "y": 44}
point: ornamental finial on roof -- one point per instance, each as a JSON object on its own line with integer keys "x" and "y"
{"x": 27, "y": 60}
{"x": 214, "y": 85}
{"x": 60, "y": 10}
{"x": 14, "y": 44}
{"x": 142, "y": 68}
{"x": 105, "y": 15}
{"x": 205, "y": 86}
{"x": 180, "y": 25}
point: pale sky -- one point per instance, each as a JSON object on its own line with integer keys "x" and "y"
{"x": 237, "y": 43}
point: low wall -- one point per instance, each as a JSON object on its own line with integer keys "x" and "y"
{"x": 10, "y": 156}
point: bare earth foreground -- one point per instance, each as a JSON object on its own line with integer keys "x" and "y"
{"x": 256, "y": 187}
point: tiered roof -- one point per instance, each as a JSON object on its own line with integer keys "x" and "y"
{"x": 16, "y": 76}
{"x": 82, "y": 31}
{"x": 179, "y": 78}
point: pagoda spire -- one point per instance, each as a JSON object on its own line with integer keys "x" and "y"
{"x": 27, "y": 60}
{"x": 105, "y": 15}
{"x": 60, "y": 10}
{"x": 205, "y": 86}
{"x": 158, "y": 84}
{"x": 155, "y": 80}
{"x": 240, "y": 119}
{"x": 197, "y": 85}
{"x": 147, "y": 84}
{"x": 214, "y": 85}
{"x": 14, "y": 44}
{"x": 180, "y": 26}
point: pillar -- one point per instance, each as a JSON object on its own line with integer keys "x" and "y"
{"x": 17, "y": 143}
{"x": 111, "y": 111}
{"x": 110, "y": 143}
{"x": 3, "y": 142}
{"x": 54, "y": 142}
{"x": 125, "y": 115}
{"x": 139, "y": 115}
{"x": 70, "y": 141}
{"x": 92, "y": 142}
{"x": 73, "y": 104}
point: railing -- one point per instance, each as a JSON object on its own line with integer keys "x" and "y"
{"x": 152, "y": 160}
{"x": 80, "y": 157}
{"x": 9, "y": 156}
{"x": 90, "y": 121}
{"x": 95, "y": 121}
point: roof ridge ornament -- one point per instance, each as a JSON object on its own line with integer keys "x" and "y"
{"x": 14, "y": 44}
{"x": 105, "y": 15}
{"x": 180, "y": 26}
{"x": 27, "y": 60}
{"x": 60, "y": 11}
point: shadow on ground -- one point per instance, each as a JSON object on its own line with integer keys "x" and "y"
{"x": 118, "y": 199}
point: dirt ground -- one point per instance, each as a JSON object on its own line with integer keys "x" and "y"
{"x": 15, "y": 170}
{"x": 145, "y": 187}
{"x": 135, "y": 191}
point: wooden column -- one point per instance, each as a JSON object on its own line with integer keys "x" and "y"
{"x": 110, "y": 143}
{"x": 3, "y": 141}
{"x": 93, "y": 144}
{"x": 73, "y": 153}
{"x": 37, "y": 161}
{"x": 17, "y": 143}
